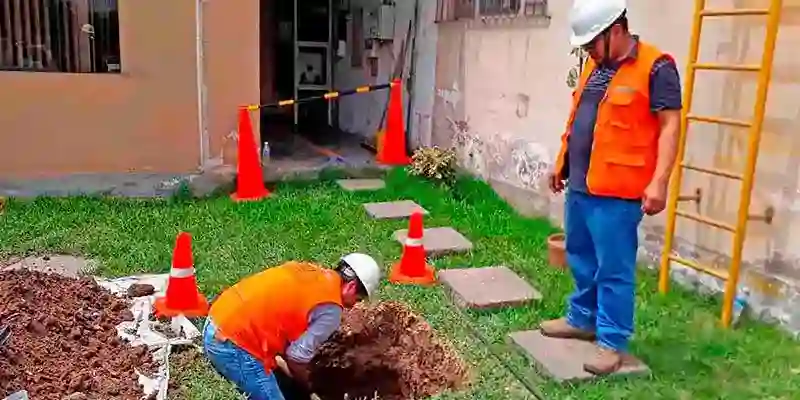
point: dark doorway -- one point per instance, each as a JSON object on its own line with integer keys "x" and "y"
{"x": 296, "y": 63}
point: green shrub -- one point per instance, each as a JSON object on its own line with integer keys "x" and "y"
{"x": 434, "y": 163}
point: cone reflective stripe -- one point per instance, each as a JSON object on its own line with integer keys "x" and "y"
{"x": 181, "y": 272}
{"x": 413, "y": 267}
{"x": 413, "y": 242}
{"x": 182, "y": 297}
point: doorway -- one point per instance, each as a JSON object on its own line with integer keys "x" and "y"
{"x": 296, "y": 47}
{"x": 298, "y": 43}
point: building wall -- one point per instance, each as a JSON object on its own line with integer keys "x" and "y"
{"x": 146, "y": 118}
{"x": 507, "y": 129}
{"x": 232, "y": 70}
{"x": 361, "y": 114}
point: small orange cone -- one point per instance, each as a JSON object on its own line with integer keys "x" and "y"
{"x": 392, "y": 150}
{"x": 413, "y": 267}
{"x": 249, "y": 177}
{"x": 183, "y": 297}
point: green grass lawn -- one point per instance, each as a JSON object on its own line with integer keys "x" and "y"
{"x": 676, "y": 335}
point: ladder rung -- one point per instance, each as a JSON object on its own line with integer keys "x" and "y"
{"x": 714, "y": 171}
{"x": 705, "y": 220}
{"x": 719, "y": 120}
{"x": 721, "y": 274}
{"x": 734, "y": 12}
{"x": 727, "y": 67}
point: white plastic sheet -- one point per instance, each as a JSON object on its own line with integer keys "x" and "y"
{"x": 141, "y": 331}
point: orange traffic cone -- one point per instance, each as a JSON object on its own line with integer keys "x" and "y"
{"x": 249, "y": 179}
{"x": 392, "y": 150}
{"x": 182, "y": 297}
{"x": 413, "y": 267}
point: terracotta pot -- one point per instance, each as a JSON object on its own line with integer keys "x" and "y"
{"x": 556, "y": 251}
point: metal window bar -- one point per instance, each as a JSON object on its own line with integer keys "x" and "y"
{"x": 739, "y": 230}
{"x": 537, "y": 8}
{"x": 59, "y": 35}
{"x": 454, "y": 10}
{"x": 492, "y": 8}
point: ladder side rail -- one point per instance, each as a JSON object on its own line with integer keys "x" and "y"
{"x": 754, "y": 140}
{"x": 677, "y": 172}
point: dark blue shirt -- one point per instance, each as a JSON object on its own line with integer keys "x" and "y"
{"x": 665, "y": 94}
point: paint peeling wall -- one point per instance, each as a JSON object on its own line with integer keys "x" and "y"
{"x": 502, "y": 100}
{"x": 361, "y": 114}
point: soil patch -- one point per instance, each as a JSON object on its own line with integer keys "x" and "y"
{"x": 388, "y": 351}
{"x": 140, "y": 290}
{"x": 64, "y": 339}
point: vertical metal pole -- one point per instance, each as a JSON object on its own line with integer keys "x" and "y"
{"x": 296, "y": 48}
{"x": 329, "y": 67}
{"x": 677, "y": 172}
{"x": 754, "y": 139}
{"x": 412, "y": 79}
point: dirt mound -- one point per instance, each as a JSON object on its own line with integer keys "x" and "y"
{"x": 385, "y": 350}
{"x": 64, "y": 339}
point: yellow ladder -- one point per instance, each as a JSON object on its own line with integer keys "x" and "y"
{"x": 739, "y": 231}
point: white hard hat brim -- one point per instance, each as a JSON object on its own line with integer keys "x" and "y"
{"x": 581, "y": 40}
{"x": 370, "y": 290}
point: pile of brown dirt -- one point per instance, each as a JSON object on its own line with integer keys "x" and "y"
{"x": 64, "y": 339}
{"x": 385, "y": 350}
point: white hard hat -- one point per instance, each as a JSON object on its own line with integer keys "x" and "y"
{"x": 589, "y": 18}
{"x": 366, "y": 269}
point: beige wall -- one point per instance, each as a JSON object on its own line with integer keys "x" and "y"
{"x": 231, "y": 70}
{"x": 145, "y": 119}
{"x": 502, "y": 97}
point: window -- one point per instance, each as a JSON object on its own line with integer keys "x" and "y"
{"x": 454, "y": 10}
{"x": 490, "y": 8}
{"x": 78, "y": 36}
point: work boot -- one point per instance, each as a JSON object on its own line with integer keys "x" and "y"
{"x": 606, "y": 362}
{"x": 560, "y": 328}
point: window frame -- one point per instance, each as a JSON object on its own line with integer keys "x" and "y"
{"x": 469, "y": 10}
{"x": 60, "y": 36}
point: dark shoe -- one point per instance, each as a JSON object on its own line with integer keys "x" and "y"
{"x": 606, "y": 362}
{"x": 560, "y": 328}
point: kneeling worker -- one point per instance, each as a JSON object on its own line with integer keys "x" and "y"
{"x": 286, "y": 311}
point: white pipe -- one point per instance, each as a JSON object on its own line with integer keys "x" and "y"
{"x": 412, "y": 73}
{"x": 201, "y": 90}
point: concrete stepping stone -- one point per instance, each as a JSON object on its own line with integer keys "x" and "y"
{"x": 563, "y": 359}
{"x": 353, "y": 185}
{"x": 487, "y": 288}
{"x": 393, "y": 209}
{"x": 439, "y": 241}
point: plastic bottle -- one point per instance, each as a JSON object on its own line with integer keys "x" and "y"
{"x": 21, "y": 395}
{"x": 740, "y": 303}
{"x": 265, "y": 153}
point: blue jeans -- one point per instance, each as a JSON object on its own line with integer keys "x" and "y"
{"x": 601, "y": 242}
{"x": 239, "y": 367}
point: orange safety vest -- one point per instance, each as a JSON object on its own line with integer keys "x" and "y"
{"x": 626, "y": 133}
{"x": 265, "y": 312}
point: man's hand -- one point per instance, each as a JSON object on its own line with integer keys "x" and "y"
{"x": 555, "y": 182}
{"x": 281, "y": 362}
{"x": 655, "y": 197}
{"x": 299, "y": 372}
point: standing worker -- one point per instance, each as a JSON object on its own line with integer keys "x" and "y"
{"x": 616, "y": 157}
{"x": 287, "y": 311}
